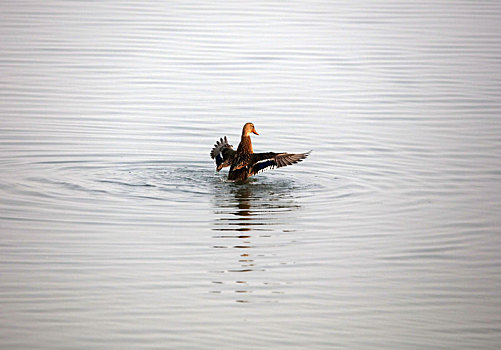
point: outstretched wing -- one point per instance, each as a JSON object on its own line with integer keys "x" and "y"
{"x": 270, "y": 160}
{"x": 223, "y": 153}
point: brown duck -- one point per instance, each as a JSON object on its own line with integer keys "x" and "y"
{"x": 244, "y": 162}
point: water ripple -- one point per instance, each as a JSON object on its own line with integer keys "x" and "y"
{"x": 111, "y": 209}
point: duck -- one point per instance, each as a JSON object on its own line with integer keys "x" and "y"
{"x": 243, "y": 162}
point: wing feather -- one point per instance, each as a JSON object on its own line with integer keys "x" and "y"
{"x": 223, "y": 153}
{"x": 270, "y": 160}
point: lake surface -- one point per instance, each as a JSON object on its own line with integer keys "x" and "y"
{"x": 117, "y": 233}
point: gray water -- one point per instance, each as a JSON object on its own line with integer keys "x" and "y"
{"x": 117, "y": 233}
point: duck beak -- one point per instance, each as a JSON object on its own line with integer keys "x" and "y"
{"x": 254, "y": 131}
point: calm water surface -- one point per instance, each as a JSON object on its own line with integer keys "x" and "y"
{"x": 116, "y": 232}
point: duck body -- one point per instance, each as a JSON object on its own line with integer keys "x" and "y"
{"x": 244, "y": 162}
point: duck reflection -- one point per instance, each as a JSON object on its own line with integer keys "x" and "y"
{"x": 239, "y": 214}
{"x": 246, "y": 216}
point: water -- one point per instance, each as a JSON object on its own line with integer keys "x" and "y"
{"x": 116, "y": 232}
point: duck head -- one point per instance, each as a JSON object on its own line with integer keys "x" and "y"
{"x": 249, "y": 128}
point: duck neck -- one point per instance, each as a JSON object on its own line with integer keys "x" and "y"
{"x": 245, "y": 145}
